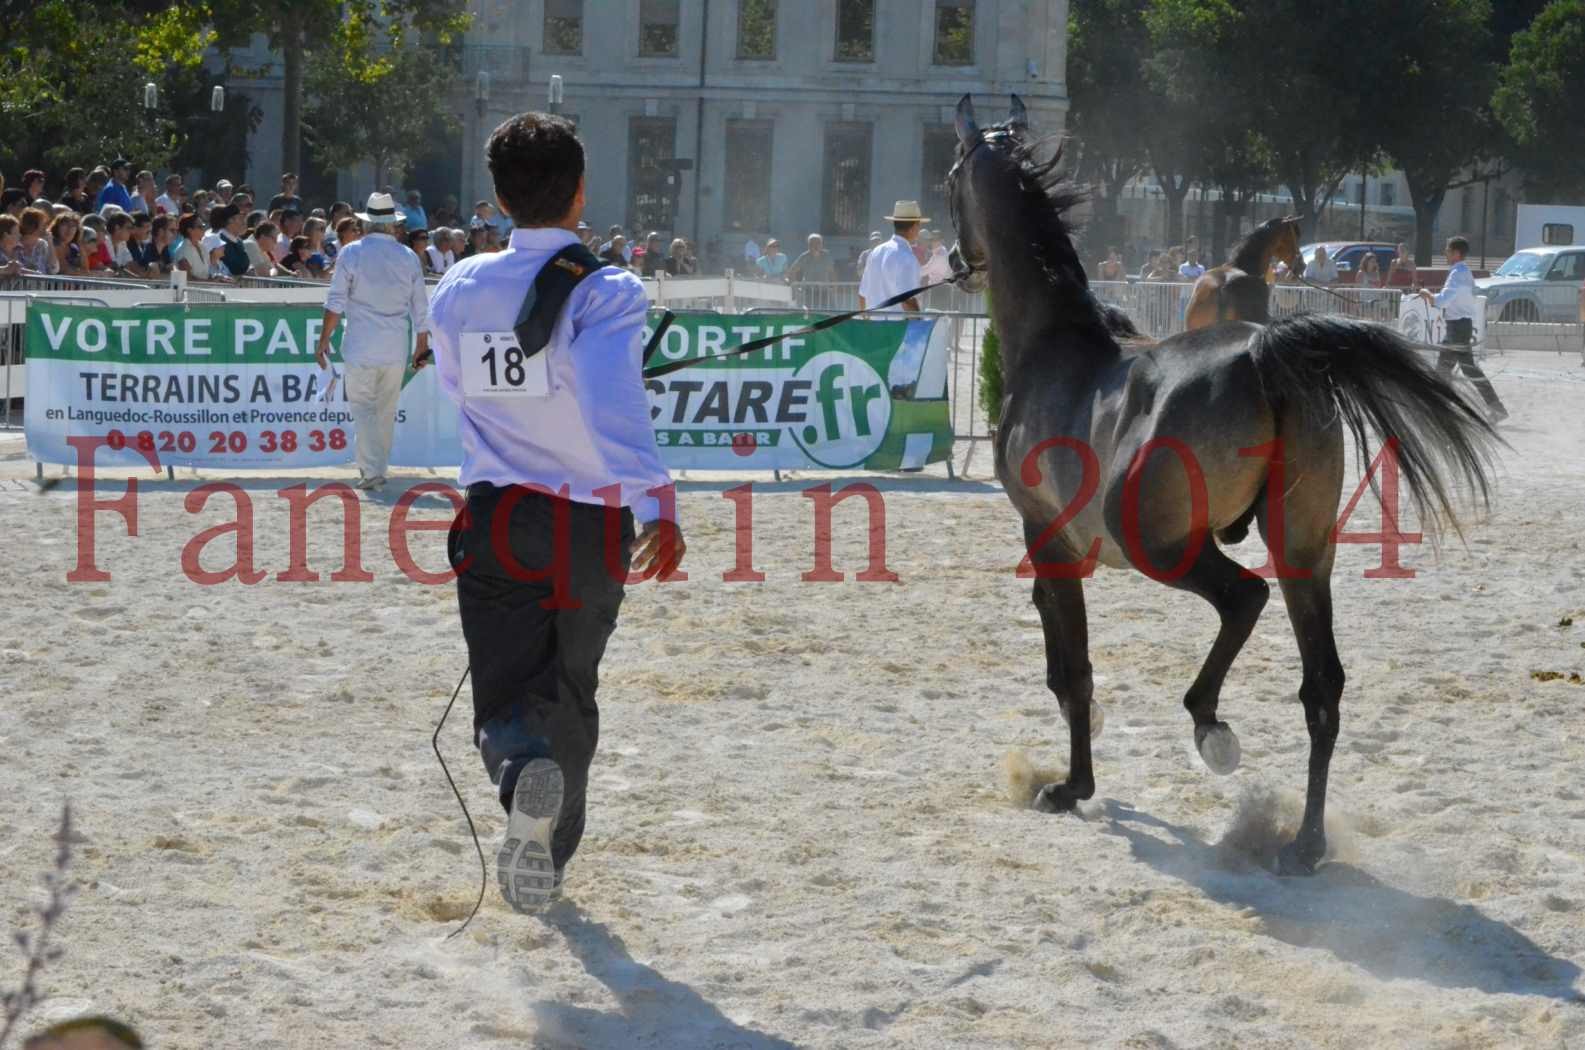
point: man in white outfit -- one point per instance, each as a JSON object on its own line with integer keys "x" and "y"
{"x": 892, "y": 268}
{"x": 379, "y": 287}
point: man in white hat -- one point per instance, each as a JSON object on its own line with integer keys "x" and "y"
{"x": 892, "y": 268}
{"x": 379, "y": 287}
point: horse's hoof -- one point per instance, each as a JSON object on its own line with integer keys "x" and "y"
{"x": 1056, "y": 798}
{"x": 1299, "y": 859}
{"x": 1218, "y": 747}
{"x": 1097, "y": 718}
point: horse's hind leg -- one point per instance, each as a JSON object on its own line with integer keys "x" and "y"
{"x": 1306, "y": 583}
{"x": 1238, "y": 599}
{"x": 1067, "y": 636}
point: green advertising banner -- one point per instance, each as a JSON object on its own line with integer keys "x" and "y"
{"x": 237, "y": 386}
{"x": 867, "y": 395}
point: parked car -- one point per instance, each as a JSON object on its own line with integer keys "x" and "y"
{"x": 1347, "y": 256}
{"x": 1536, "y": 284}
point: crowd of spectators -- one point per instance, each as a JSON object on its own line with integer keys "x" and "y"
{"x": 110, "y": 222}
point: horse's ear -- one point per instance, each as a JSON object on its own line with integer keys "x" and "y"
{"x": 968, "y": 127}
{"x": 1018, "y": 116}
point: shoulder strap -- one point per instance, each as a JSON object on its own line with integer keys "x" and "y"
{"x": 554, "y": 283}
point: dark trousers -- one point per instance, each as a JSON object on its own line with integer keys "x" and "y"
{"x": 539, "y": 583}
{"x": 1455, "y": 352}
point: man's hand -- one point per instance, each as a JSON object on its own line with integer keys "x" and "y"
{"x": 422, "y": 354}
{"x": 658, "y": 549}
{"x": 322, "y": 355}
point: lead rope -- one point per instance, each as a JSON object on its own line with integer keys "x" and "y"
{"x": 484, "y": 870}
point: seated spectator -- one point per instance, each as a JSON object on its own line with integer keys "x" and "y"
{"x": 118, "y": 231}
{"x": 144, "y": 194}
{"x": 95, "y": 261}
{"x": 298, "y": 259}
{"x": 188, "y": 256}
{"x": 314, "y": 230}
{"x": 14, "y": 202}
{"x": 75, "y": 195}
{"x": 1112, "y": 268}
{"x": 260, "y": 246}
{"x": 156, "y": 261}
{"x": 33, "y": 250}
{"x": 418, "y": 241}
{"x": 1323, "y": 270}
{"x": 678, "y": 261}
{"x": 10, "y": 247}
{"x": 169, "y": 202}
{"x": 615, "y": 253}
{"x": 231, "y": 259}
{"x": 63, "y": 243}
{"x": 439, "y": 254}
{"x": 774, "y": 262}
{"x": 348, "y": 230}
{"x": 33, "y": 184}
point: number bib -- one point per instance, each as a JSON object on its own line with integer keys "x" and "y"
{"x": 493, "y": 365}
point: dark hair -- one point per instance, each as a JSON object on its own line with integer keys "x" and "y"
{"x": 266, "y": 229}
{"x": 1458, "y": 244}
{"x": 161, "y": 222}
{"x": 536, "y": 161}
{"x": 35, "y": 220}
{"x": 298, "y": 243}
{"x": 116, "y": 221}
{"x": 345, "y": 223}
{"x": 141, "y": 218}
{"x": 13, "y": 196}
{"x": 189, "y": 220}
{"x": 904, "y": 227}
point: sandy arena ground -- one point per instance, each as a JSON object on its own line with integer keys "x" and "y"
{"x": 800, "y": 832}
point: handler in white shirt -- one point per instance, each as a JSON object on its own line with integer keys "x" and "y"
{"x": 559, "y": 459}
{"x": 1459, "y": 304}
{"x": 379, "y": 286}
{"x": 891, "y": 268}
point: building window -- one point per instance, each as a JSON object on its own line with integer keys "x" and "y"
{"x": 855, "y": 31}
{"x": 940, "y": 153}
{"x": 748, "y": 158}
{"x": 1389, "y": 193}
{"x": 657, "y": 28}
{"x": 563, "y": 27}
{"x": 756, "y": 29}
{"x": 651, "y": 178}
{"x": 846, "y": 201}
{"x": 954, "y": 32}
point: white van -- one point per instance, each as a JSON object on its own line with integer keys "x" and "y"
{"x": 1549, "y": 226}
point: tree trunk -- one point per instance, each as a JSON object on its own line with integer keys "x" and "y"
{"x": 1176, "y": 190}
{"x": 292, "y": 104}
{"x": 1427, "y": 196}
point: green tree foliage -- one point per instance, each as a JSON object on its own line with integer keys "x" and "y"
{"x": 756, "y": 29}
{"x": 72, "y": 75}
{"x": 374, "y": 103}
{"x": 1540, "y": 96}
{"x": 1439, "y": 122}
{"x": 1112, "y": 103}
{"x": 297, "y": 28}
{"x": 991, "y": 369}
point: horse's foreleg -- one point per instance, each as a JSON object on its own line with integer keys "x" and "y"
{"x": 1310, "y": 608}
{"x": 1061, "y": 606}
{"x": 1238, "y": 599}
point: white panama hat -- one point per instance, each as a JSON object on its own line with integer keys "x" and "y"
{"x": 907, "y": 211}
{"x": 381, "y": 209}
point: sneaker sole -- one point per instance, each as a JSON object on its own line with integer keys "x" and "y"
{"x": 523, "y": 866}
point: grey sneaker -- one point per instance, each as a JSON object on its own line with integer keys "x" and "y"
{"x": 523, "y": 866}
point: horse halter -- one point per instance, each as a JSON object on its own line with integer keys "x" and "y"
{"x": 962, "y": 269}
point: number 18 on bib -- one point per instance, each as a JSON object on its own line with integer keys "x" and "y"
{"x": 493, "y": 365}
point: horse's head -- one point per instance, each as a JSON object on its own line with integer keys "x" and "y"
{"x": 990, "y": 149}
{"x": 1286, "y": 246}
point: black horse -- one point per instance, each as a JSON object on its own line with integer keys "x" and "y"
{"x": 1136, "y": 456}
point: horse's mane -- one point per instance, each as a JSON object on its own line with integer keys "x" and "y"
{"x": 1247, "y": 253}
{"x": 1045, "y": 196}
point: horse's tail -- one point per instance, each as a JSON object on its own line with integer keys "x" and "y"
{"x": 1368, "y": 373}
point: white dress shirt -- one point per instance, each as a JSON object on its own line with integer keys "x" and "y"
{"x": 1457, "y": 297}
{"x": 440, "y": 261}
{"x": 891, "y": 269}
{"x": 594, "y": 429}
{"x": 378, "y": 287}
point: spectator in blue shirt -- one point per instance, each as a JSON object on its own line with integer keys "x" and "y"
{"x": 414, "y": 211}
{"x": 115, "y": 191}
{"x": 774, "y": 262}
